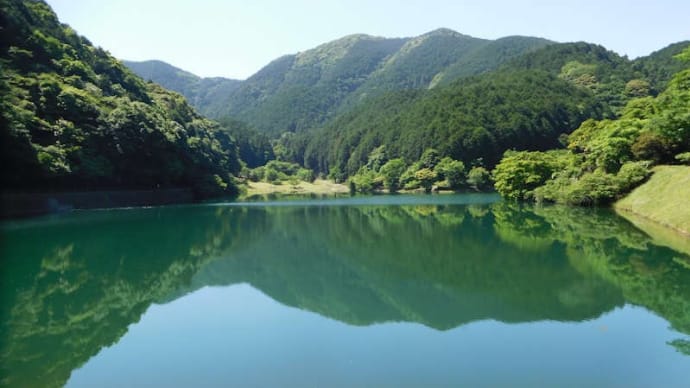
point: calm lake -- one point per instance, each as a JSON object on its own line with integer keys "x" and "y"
{"x": 449, "y": 290}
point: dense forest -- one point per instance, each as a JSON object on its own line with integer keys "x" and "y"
{"x": 206, "y": 95}
{"x": 73, "y": 117}
{"x": 606, "y": 158}
{"x": 440, "y": 110}
{"x": 295, "y": 93}
{"x": 449, "y": 96}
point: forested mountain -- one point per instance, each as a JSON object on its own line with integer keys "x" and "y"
{"x": 607, "y": 158}
{"x": 302, "y": 91}
{"x": 530, "y": 103}
{"x": 473, "y": 121}
{"x": 207, "y": 95}
{"x": 297, "y": 92}
{"x": 660, "y": 66}
{"x": 73, "y": 117}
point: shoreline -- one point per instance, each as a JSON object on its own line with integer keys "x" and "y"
{"x": 662, "y": 200}
{"x": 15, "y": 205}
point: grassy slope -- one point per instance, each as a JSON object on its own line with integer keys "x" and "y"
{"x": 664, "y": 199}
{"x": 319, "y": 186}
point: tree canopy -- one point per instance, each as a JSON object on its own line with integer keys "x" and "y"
{"x": 74, "y": 117}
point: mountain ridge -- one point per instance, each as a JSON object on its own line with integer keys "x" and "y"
{"x": 334, "y": 76}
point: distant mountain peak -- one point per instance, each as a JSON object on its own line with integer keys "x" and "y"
{"x": 444, "y": 31}
{"x": 332, "y": 51}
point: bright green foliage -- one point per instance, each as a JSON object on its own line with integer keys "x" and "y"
{"x": 452, "y": 171}
{"x": 479, "y": 178}
{"x": 426, "y": 178}
{"x": 519, "y": 173}
{"x": 637, "y": 88}
{"x": 366, "y": 181}
{"x": 608, "y": 158}
{"x": 632, "y": 174}
{"x": 73, "y": 117}
{"x": 376, "y": 159}
{"x": 408, "y": 179}
{"x": 683, "y": 158}
{"x": 277, "y": 171}
{"x": 391, "y": 172}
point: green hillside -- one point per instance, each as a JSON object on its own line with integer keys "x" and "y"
{"x": 299, "y": 92}
{"x": 73, "y": 117}
{"x": 663, "y": 199}
{"x": 206, "y": 95}
{"x": 489, "y": 56}
{"x": 471, "y": 120}
{"x": 606, "y": 159}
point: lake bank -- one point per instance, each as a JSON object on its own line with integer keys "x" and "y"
{"x": 318, "y": 187}
{"x": 18, "y": 205}
{"x": 663, "y": 199}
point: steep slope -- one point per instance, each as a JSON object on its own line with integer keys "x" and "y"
{"x": 419, "y": 60}
{"x": 207, "y": 95}
{"x": 73, "y": 117}
{"x": 660, "y": 66}
{"x": 472, "y": 120}
{"x": 478, "y": 118}
{"x": 299, "y": 92}
{"x": 588, "y": 66}
{"x": 662, "y": 199}
{"x": 490, "y": 56}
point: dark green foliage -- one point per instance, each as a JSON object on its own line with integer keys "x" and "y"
{"x": 75, "y": 118}
{"x": 302, "y": 91}
{"x": 589, "y": 66}
{"x": 476, "y": 118}
{"x": 297, "y": 92}
{"x": 490, "y": 56}
{"x": 660, "y": 66}
{"x": 208, "y": 95}
{"x": 255, "y": 148}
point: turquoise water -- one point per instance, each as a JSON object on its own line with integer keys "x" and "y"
{"x": 457, "y": 290}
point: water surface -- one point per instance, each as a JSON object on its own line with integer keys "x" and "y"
{"x": 369, "y": 291}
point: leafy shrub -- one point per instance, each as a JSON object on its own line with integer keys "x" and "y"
{"x": 631, "y": 175}
{"x": 683, "y": 158}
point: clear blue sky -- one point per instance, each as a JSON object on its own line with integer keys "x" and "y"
{"x": 235, "y": 38}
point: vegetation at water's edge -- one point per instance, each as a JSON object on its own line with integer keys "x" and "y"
{"x": 605, "y": 159}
